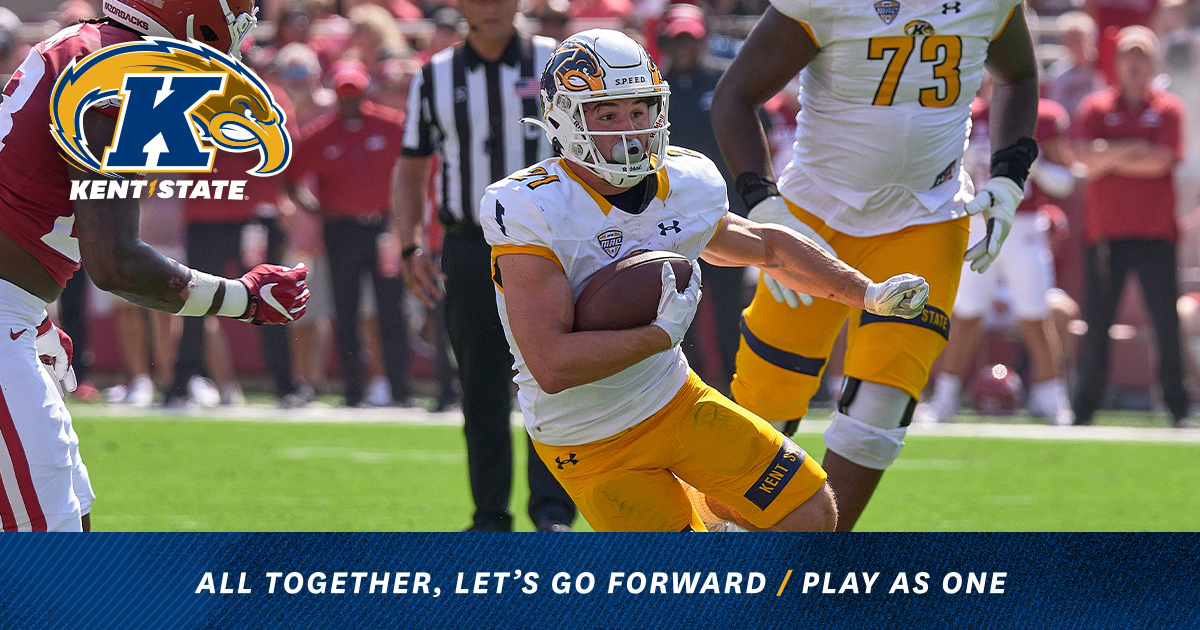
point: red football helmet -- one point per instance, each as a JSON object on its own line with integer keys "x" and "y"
{"x": 997, "y": 390}
{"x": 222, "y": 24}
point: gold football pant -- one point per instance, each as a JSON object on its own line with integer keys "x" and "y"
{"x": 784, "y": 350}
{"x": 628, "y": 482}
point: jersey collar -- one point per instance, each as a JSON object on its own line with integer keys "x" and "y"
{"x": 664, "y": 185}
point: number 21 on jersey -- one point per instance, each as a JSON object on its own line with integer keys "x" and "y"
{"x": 943, "y": 51}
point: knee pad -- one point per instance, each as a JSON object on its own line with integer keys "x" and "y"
{"x": 870, "y": 423}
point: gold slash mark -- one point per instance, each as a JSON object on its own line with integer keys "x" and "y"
{"x": 784, "y": 585}
{"x": 152, "y": 185}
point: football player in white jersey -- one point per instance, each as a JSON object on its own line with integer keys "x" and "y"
{"x": 618, "y": 416}
{"x": 876, "y": 176}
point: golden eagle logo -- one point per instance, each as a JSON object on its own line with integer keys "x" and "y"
{"x": 576, "y": 68}
{"x": 180, "y": 102}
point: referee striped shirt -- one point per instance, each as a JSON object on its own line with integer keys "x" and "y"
{"x": 468, "y": 111}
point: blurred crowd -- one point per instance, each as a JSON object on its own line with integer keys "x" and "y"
{"x": 331, "y": 60}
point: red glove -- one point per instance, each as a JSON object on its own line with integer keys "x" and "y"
{"x": 278, "y": 295}
{"x": 56, "y": 350}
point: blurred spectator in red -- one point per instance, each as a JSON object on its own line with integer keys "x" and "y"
{"x": 1111, "y": 16}
{"x": 585, "y": 9}
{"x": 375, "y": 37}
{"x": 1074, "y": 76}
{"x": 1130, "y": 138}
{"x": 296, "y": 69}
{"x": 1120, "y": 13}
{"x": 447, "y": 23}
{"x": 351, "y": 152}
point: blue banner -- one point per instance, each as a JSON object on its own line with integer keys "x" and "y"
{"x": 645, "y": 581}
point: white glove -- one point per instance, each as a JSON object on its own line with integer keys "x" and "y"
{"x": 675, "y": 309}
{"x": 56, "y": 350}
{"x": 904, "y": 296}
{"x": 998, "y": 201}
{"x": 774, "y": 209}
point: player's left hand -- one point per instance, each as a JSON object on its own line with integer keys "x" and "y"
{"x": 56, "y": 350}
{"x": 278, "y": 294}
{"x": 998, "y": 201}
{"x": 904, "y": 296}
{"x": 676, "y": 310}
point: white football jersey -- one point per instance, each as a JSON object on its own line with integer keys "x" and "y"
{"x": 886, "y": 108}
{"x": 545, "y": 210}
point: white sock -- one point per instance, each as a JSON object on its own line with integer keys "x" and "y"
{"x": 947, "y": 388}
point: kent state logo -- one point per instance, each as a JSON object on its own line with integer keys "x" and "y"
{"x": 180, "y": 102}
{"x": 577, "y": 68}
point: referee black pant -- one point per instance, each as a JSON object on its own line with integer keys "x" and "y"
{"x": 211, "y": 248}
{"x": 1107, "y": 265}
{"x": 485, "y": 371}
{"x": 351, "y": 247}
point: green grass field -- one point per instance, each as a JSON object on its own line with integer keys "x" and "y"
{"x": 172, "y": 473}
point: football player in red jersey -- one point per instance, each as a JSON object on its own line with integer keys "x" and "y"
{"x": 44, "y": 237}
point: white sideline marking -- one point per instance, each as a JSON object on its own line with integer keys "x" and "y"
{"x": 371, "y": 457}
{"x": 395, "y": 415}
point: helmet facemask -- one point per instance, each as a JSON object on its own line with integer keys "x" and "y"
{"x": 629, "y": 160}
{"x": 239, "y": 27}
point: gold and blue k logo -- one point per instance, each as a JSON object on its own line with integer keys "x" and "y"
{"x": 180, "y": 102}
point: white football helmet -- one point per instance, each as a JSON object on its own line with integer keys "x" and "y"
{"x": 603, "y": 65}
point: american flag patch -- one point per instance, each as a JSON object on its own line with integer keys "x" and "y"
{"x": 528, "y": 87}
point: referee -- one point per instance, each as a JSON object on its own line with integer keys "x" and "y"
{"x": 466, "y": 106}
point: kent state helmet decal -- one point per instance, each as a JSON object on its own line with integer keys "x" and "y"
{"x": 178, "y": 100}
{"x": 576, "y": 68}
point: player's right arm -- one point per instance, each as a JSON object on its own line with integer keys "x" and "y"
{"x": 803, "y": 266}
{"x": 118, "y": 261}
{"x": 776, "y": 50}
{"x": 541, "y": 316}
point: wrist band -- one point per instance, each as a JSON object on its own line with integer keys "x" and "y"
{"x": 211, "y": 295}
{"x": 1014, "y": 161}
{"x": 753, "y": 188}
{"x": 409, "y": 252}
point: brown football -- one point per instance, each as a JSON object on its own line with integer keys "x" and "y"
{"x": 625, "y": 294}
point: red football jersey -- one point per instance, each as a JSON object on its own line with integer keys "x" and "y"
{"x": 352, "y": 160}
{"x": 35, "y": 184}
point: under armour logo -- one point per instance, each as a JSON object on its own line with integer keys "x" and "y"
{"x": 663, "y": 227}
{"x": 951, "y": 6}
{"x": 570, "y": 460}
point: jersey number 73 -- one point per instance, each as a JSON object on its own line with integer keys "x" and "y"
{"x": 944, "y": 51}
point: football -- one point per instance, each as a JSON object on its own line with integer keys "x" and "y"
{"x": 625, "y": 294}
